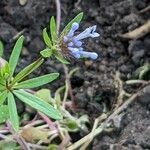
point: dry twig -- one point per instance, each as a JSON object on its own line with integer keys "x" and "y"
{"x": 144, "y": 82}
{"x": 138, "y": 32}
{"x": 145, "y": 10}
{"x": 121, "y": 92}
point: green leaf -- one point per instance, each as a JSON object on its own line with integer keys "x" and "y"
{"x": 2, "y": 81}
{"x": 143, "y": 72}
{"x": 47, "y": 39}
{"x": 57, "y": 96}
{"x": 53, "y": 30}
{"x": 2, "y": 87}
{"x": 60, "y": 58}
{"x": 15, "y": 54}
{"x": 27, "y": 70}
{"x": 4, "y": 113}
{"x": 46, "y": 53}
{"x": 36, "y": 82}
{"x": 38, "y": 104}
{"x": 5, "y": 71}
{"x": 1, "y": 49}
{"x": 3, "y": 96}
{"x": 13, "y": 112}
{"x": 71, "y": 125}
{"x": 52, "y": 147}
{"x": 67, "y": 28}
{"x": 8, "y": 145}
{"x": 44, "y": 94}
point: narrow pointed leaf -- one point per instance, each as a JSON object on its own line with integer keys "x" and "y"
{"x": 5, "y": 71}
{"x": 44, "y": 94}
{"x": 46, "y": 53}
{"x": 26, "y": 71}
{"x": 57, "y": 96}
{"x": 4, "y": 113}
{"x": 77, "y": 19}
{"x": 2, "y": 88}
{"x": 1, "y": 49}
{"x": 8, "y": 145}
{"x": 60, "y": 58}
{"x": 36, "y": 82}
{"x": 13, "y": 112}
{"x": 47, "y": 39}
{"x": 38, "y": 104}
{"x": 53, "y": 29}
{"x": 3, "y": 96}
{"x": 2, "y": 81}
{"x": 2, "y": 84}
{"x": 15, "y": 54}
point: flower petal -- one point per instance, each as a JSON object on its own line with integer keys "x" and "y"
{"x": 74, "y": 27}
{"x": 95, "y": 34}
{"x": 91, "y": 55}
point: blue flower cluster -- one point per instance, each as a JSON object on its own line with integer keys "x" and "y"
{"x": 74, "y": 43}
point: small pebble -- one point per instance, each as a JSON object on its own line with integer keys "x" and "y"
{"x": 88, "y": 63}
{"x": 25, "y": 52}
{"x": 23, "y": 2}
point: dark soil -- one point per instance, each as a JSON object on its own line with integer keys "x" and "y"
{"x": 93, "y": 86}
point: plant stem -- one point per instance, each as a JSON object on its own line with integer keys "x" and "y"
{"x": 58, "y": 8}
{"x": 68, "y": 84}
{"x": 18, "y": 138}
{"x": 48, "y": 121}
{"x": 35, "y": 146}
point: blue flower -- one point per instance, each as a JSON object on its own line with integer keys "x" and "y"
{"x": 74, "y": 43}
{"x": 70, "y": 34}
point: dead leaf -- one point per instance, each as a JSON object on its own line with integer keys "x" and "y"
{"x": 32, "y": 134}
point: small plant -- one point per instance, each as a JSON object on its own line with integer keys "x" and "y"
{"x": 143, "y": 72}
{"x": 11, "y": 86}
{"x": 64, "y": 47}
{"x": 68, "y": 44}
